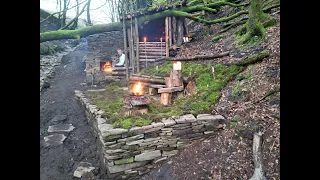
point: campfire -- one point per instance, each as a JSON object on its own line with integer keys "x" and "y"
{"x": 107, "y": 67}
{"x": 137, "y": 89}
{"x": 135, "y": 102}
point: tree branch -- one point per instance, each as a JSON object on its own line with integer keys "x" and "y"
{"x": 75, "y": 18}
{"x": 61, "y": 11}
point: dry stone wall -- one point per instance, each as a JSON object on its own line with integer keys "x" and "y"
{"x": 129, "y": 153}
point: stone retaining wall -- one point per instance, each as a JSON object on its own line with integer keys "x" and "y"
{"x": 129, "y": 153}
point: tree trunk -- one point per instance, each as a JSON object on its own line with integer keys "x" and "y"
{"x": 75, "y": 24}
{"x": 88, "y": 13}
{"x": 167, "y": 35}
{"x": 180, "y": 32}
{"x": 185, "y": 26}
{"x": 136, "y": 27}
{"x": 75, "y": 18}
{"x": 64, "y": 14}
{"x": 174, "y": 30}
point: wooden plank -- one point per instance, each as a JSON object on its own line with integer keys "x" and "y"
{"x": 170, "y": 89}
{"x": 153, "y": 77}
{"x": 156, "y": 86}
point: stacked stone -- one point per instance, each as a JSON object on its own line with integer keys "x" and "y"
{"x": 129, "y": 153}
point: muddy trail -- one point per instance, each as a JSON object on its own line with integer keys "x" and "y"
{"x": 58, "y": 106}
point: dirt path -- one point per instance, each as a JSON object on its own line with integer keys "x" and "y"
{"x": 58, "y": 162}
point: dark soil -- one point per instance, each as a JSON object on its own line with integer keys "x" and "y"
{"x": 60, "y": 162}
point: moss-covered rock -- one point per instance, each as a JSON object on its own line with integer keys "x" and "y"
{"x": 123, "y": 161}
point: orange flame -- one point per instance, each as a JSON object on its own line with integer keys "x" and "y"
{"x": 107, "y": 67}
{"x": 138, "y": 89}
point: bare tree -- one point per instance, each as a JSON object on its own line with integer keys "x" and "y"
{"x": 75, "y": 24}
{"x": 75, "y": 18}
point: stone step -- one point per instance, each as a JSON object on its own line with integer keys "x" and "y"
{"x": 60, "y": 128}
{"x": 54, "y": 139}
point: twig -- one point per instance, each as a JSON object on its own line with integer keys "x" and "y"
{"x": 269, "y": 94}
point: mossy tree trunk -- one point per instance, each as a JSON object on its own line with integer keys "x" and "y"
{"x": 254, "y": 26}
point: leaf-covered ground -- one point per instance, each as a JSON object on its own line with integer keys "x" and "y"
{"x": 251, "y": 103}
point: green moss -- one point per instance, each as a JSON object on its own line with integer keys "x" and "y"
{"x": 50, "y": 48}
{"x": 208, "y": 87}
{"x": 123, "y": 161}
{"x": 234, "y": 121}
{"x": 236, "y": 90}
{"x": 216, "y": 38}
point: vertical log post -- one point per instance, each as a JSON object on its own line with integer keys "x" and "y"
{"x": 170, "y": 32}
{"x": 180, "y": 31}
{"x": 129, "y": 43}
{"x": 167, "y": 36}
{"x": 137, "y": 44}
{"x": 165, "y": 98}
{"x": 125, "y": 42}
{"x": 174, "y": 30}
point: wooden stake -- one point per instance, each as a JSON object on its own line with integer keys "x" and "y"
{"x": 137, "y": 44}
{"x": 167, "y": 36}
{"x": 129, "y": 43}
{"x": 170, "y": 32}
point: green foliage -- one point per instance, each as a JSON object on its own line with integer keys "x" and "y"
{"x": 241, "y": 77}
{"x": 158, "y": 3}
{"x": 234, "y": 121}
{"x": 216, "y": 38}
{"x": 236, "y": 90}
{"x": 50, "y": 48}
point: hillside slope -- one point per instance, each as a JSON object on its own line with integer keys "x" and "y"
{"x": 251, "y": 103}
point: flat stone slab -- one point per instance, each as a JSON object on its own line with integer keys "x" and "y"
{"x": 60, "y": 128}
{"x": 54, "y": 139}
{"x": 148, "y": 155}
{"x": 59, "y": 118}
{"x": 209, "y": 117}
{"x": 82, "y": 169}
